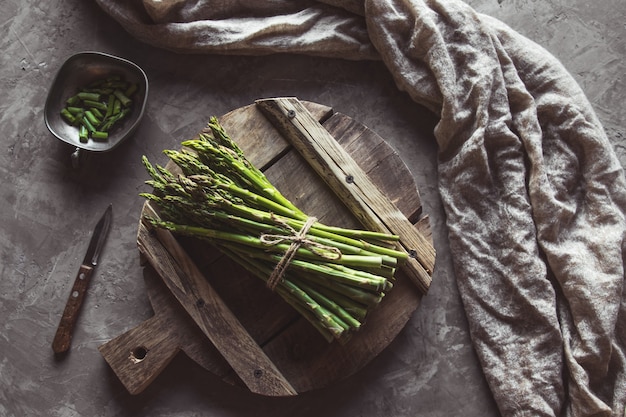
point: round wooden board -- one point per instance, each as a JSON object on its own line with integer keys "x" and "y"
{"x": 304, "y": 357}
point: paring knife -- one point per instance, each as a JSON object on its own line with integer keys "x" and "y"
{"x": 63, "y": 336}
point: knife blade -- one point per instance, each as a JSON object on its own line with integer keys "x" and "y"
{"x": 63, "y": 336}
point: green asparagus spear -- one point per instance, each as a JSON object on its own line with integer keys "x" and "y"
{"x": 99, "y": 106}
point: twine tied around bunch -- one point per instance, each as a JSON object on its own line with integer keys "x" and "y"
{"x": 297, "y": 239}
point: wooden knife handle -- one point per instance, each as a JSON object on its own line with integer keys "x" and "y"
{"x": 63, "y": 336}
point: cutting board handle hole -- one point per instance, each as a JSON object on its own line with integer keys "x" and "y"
{"x": 138, "y": 354}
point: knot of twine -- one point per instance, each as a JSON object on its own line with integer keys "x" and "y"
{"x": 297, "y": 239}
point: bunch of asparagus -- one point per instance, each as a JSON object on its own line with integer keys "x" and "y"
{"x": 331, "y": 275}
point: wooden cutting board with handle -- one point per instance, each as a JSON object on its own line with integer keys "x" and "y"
{"x": 226, "y": 320}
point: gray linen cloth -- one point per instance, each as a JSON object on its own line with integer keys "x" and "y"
{"x": 533, "y": 192}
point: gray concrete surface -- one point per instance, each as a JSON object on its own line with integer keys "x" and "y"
{"x": 47, "y": 210}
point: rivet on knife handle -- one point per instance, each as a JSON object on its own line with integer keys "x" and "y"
{"x": 63, "y": 336}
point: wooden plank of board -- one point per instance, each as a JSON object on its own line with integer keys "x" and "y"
{"x": 350, "y": 183}
{"x": 262, "y": 143}
{"x": 139, "y": 355}
{"x": 379, "y": 161}
{"x": 209, "y": 312}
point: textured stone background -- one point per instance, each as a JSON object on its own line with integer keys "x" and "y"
{"x": 47, "y": 211}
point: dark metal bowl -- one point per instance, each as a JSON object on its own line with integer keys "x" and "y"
{"x": 78, "y": 71}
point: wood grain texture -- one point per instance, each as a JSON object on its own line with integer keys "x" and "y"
{"x": 292, "y": 345}
{"x": 63, "y": 336}
{"x": 378, "y": 160}
{"x": 351, "y": 183}
{"x": 139, "y": 355}
{"x": 208, "y": 310}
